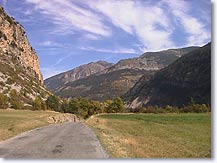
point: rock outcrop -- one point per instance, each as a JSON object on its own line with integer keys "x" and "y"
{"x": 19, "y": 64}
{"x": 13, "y": 40}
{"x": 62, "y": 118}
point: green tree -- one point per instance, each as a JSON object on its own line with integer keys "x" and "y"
{"x": 118, "y": 105}
{"x": 53, "y": 103}
{"x": 15, "y": 100}
{"x": 3, "y": 101}
{"x": 39, "y": 104}
{"x": 74, "y": 105}
{"x": 65, "y": 106}
{"x": 108, "y": 106}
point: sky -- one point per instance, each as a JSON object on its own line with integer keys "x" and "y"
{"x": 68, "y": 33}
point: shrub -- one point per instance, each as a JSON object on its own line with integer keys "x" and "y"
{"x": 38, "y": 104}
{"x": 15, "y": 100}
{"x": 53, "y": 103}
{"x": 3, "y": 101}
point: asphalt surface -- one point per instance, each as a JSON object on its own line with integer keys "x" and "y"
{"x": 66, "y": 141}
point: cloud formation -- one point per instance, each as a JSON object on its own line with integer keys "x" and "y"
{"x": 153, "y": 23}
{"x": 197, "y": 34}
{"x": 69, "y": 17}
{"x": 117, "y": 50}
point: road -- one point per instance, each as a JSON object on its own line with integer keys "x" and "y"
{"x": 67, "y": 140}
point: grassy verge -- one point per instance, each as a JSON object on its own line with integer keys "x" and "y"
{"x": 13, "y": 122}
{"x": 154, "y": 135}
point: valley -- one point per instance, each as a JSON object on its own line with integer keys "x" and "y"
{"x": 111, "y": 89}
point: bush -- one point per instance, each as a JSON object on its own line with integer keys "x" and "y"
{"x": 53, "y": 103}
{"x": 15, "y": 100}
{"x": 3, "y": 101}
{"x": 114, "y": 106}
{"x": 195, "y": 108}
{"x": 39, "y": 104}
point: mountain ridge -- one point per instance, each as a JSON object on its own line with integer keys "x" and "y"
{"x": 129, "y": 71}
{"x": 85, "y": 70}
{"x": 186, "y": 78}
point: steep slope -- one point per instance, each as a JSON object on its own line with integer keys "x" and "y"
{"x": 186, "y": 78}
{"x": 119, "y": 78}
{"x": 102, "y": 86}
{"x": 57, "y": 81}
{"x": 19, "y": 64}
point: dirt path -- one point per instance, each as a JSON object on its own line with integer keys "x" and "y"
{"x": 68, "y": 140}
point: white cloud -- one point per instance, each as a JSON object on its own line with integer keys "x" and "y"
{"x": 152, "y": 23}
{"x": 138, "y": 19}
{"x": 69, "y": 17}
{"x": 118, "y": 50}
{"x": 92, "y": 37}
{"x": 50, "y": 71}
{"x": 46, "y": 43}
{"x": 197, "y": 34}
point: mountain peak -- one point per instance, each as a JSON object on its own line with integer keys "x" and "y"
{"x": 79, "y": 72}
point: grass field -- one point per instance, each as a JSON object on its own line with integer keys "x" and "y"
{"x": 154, "y": 135}
{"x": 13, "y": 122}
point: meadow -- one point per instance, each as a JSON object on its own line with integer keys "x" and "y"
{"x": 154, "y": 135}
{"x": 13, "y": 122}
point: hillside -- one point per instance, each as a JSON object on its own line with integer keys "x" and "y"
{"x": 186, "y": 78}
{"x": 115, "y": 80}
{"x": 19, "y": 64}
{"x": 103, "y": 86}
{"x": 57, "y": 81}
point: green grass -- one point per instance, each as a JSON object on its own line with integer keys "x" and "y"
{"x": 154, "y": 135}
{"x": 13, "y": 122}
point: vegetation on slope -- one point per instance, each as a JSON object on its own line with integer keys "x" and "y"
{"x": 188, "y": 77}
{"x": 154, "y": 135}
{"x": 102, "y": 87}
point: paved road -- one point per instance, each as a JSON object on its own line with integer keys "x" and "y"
{"x": 68, "y": 140}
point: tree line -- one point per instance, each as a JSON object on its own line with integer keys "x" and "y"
{"x": 84, "y": 108}
{"x": 80, "y": 106}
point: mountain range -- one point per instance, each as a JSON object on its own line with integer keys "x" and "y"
{"x": 111, "y": 80}
{"x": 168, "y": 77}
{"x": 189, "y": 77}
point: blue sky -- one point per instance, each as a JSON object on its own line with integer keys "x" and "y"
{"x": 68, "y": 33}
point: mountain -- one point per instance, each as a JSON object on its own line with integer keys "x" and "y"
{"x": 19, "y": 64}
{"x": 152, "y": 60}
{"x": 102, "y": 86}
{"x": 57, "y": 81}
{"x": 188, "y": 77}
{"x": 117, "y": 79}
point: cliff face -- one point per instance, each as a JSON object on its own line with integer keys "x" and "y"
{"x": 188, "y": 77}
{"x": 19, "y": 65}
{"x": 13, "y": 40}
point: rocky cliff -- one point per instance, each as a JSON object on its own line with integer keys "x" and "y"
{"x": 19, "y": 65}
{"x": 188, "y": 77}
{"x": 13, "y": 40}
